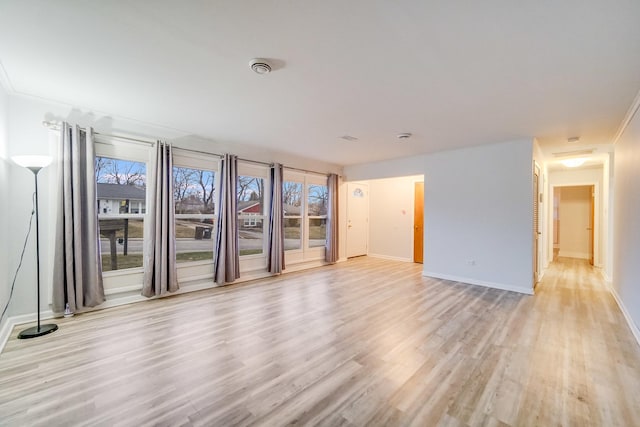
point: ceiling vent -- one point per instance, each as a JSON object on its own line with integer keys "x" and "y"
{"x": 260, "y": 66}
{"x": 349, "y": 138}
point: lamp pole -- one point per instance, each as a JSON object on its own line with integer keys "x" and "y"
{"x": 38, "y": 330}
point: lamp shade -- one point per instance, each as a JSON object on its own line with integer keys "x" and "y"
{"x": 32, "y": 161}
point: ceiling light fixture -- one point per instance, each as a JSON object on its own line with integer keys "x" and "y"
{"x": 260, "y": 66}
{"x": 574, "y": 163}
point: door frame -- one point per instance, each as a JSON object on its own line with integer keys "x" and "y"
{"x": 421, "y": 235}
{"x": 537, "y": 232}
{"x": 597, "y": 258}
{"x": 368, "y": 195}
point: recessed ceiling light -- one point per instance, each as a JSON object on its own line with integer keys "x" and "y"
{"x": 260, "y": 66}
{"x": 403, "y": 136}
{"x": 573, "y": 139}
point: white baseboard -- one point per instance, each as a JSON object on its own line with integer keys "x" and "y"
{"x": 486, "y": 284}
{"x": 570, "y": 254}
{"x": 392, "y": 258}
{"x": 634, "y": 329}
{"x": 10, "y": 322}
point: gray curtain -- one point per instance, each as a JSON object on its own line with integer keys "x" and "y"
{"x": 226, "y": 262}
{"x": 331, "y": 249}
{"x": 77, "y": 267}
{"x": 275, "y": 256}
{"x": 160, "y": 273}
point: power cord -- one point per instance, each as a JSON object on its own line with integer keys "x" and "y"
{"x": 24, "y": 247}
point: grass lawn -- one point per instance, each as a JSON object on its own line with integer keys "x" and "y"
{"x": 135, "y": 260}
{"x": 250, "y": 251}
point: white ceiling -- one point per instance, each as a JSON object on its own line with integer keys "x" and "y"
{"x": 452, "y": 73}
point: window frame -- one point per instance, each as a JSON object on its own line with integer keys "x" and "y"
{"x": 114, "y": 149}
{"x": 199, "y": 161}
{"x": 305, "y": 253}
{"x": 298, "y": 179}
{"x": 255, "y": 262}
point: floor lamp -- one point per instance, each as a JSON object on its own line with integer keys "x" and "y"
{"x": 34, "y": 164}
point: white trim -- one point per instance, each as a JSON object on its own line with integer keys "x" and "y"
{"x": 11, "y": 322}
{"x": 634, "y": 329}
{"x": 392, "y": 258}
{"x": 469, "y": 281}
{"x": 633, "y": 109}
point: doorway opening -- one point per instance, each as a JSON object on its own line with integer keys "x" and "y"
{"x": 574, "y": 233}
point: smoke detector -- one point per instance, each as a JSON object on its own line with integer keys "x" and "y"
{"x": 260, "y": 66}
{"x": 403, "y": 136}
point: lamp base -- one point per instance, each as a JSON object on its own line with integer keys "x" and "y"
{"x": 38, "y": 331}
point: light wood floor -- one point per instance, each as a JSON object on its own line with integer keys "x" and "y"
{"x": 367, "y": 342}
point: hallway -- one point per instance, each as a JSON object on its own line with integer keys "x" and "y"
{"x": 586, "y": 364}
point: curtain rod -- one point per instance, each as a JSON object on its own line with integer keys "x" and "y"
{"x": 56, "y": 126}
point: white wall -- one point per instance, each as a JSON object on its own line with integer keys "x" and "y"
{"x": 5, "y": 274}
{"x": 574, "y": 214}
{"x": 391, "y": 203}
{"x": 575, "y": 177}
{"x": 479, "y": 218}
{"x": 28, "y": 136}
{"x": 626, "y": 223}
{"x": 477, "y": 208}
{"x": 388, "y": 169}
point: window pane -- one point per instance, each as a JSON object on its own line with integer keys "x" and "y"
{"x": 193, "y": 191}
{"x": 292, "y": 198}
{"x": 250, "y": 214}
{"x": 318, "y": 199}
{"x": 121, "y": 243}
{"x": 317, "y": 232}
{"x": 292, "y": 233}
{"x": 120, "y": 186}
{"x": 194, "y": 239}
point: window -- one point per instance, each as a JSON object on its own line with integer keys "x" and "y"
{"x": 121, "y": 194}
{"x": 305, "y": 199}
{"x": 250, "y": 195}
{"x": 292, "y": 201}
{"x": 193, "y": 195}
{"x": 318, "y": 200}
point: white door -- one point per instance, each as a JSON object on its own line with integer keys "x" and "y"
{"x": 357, "y": 219}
